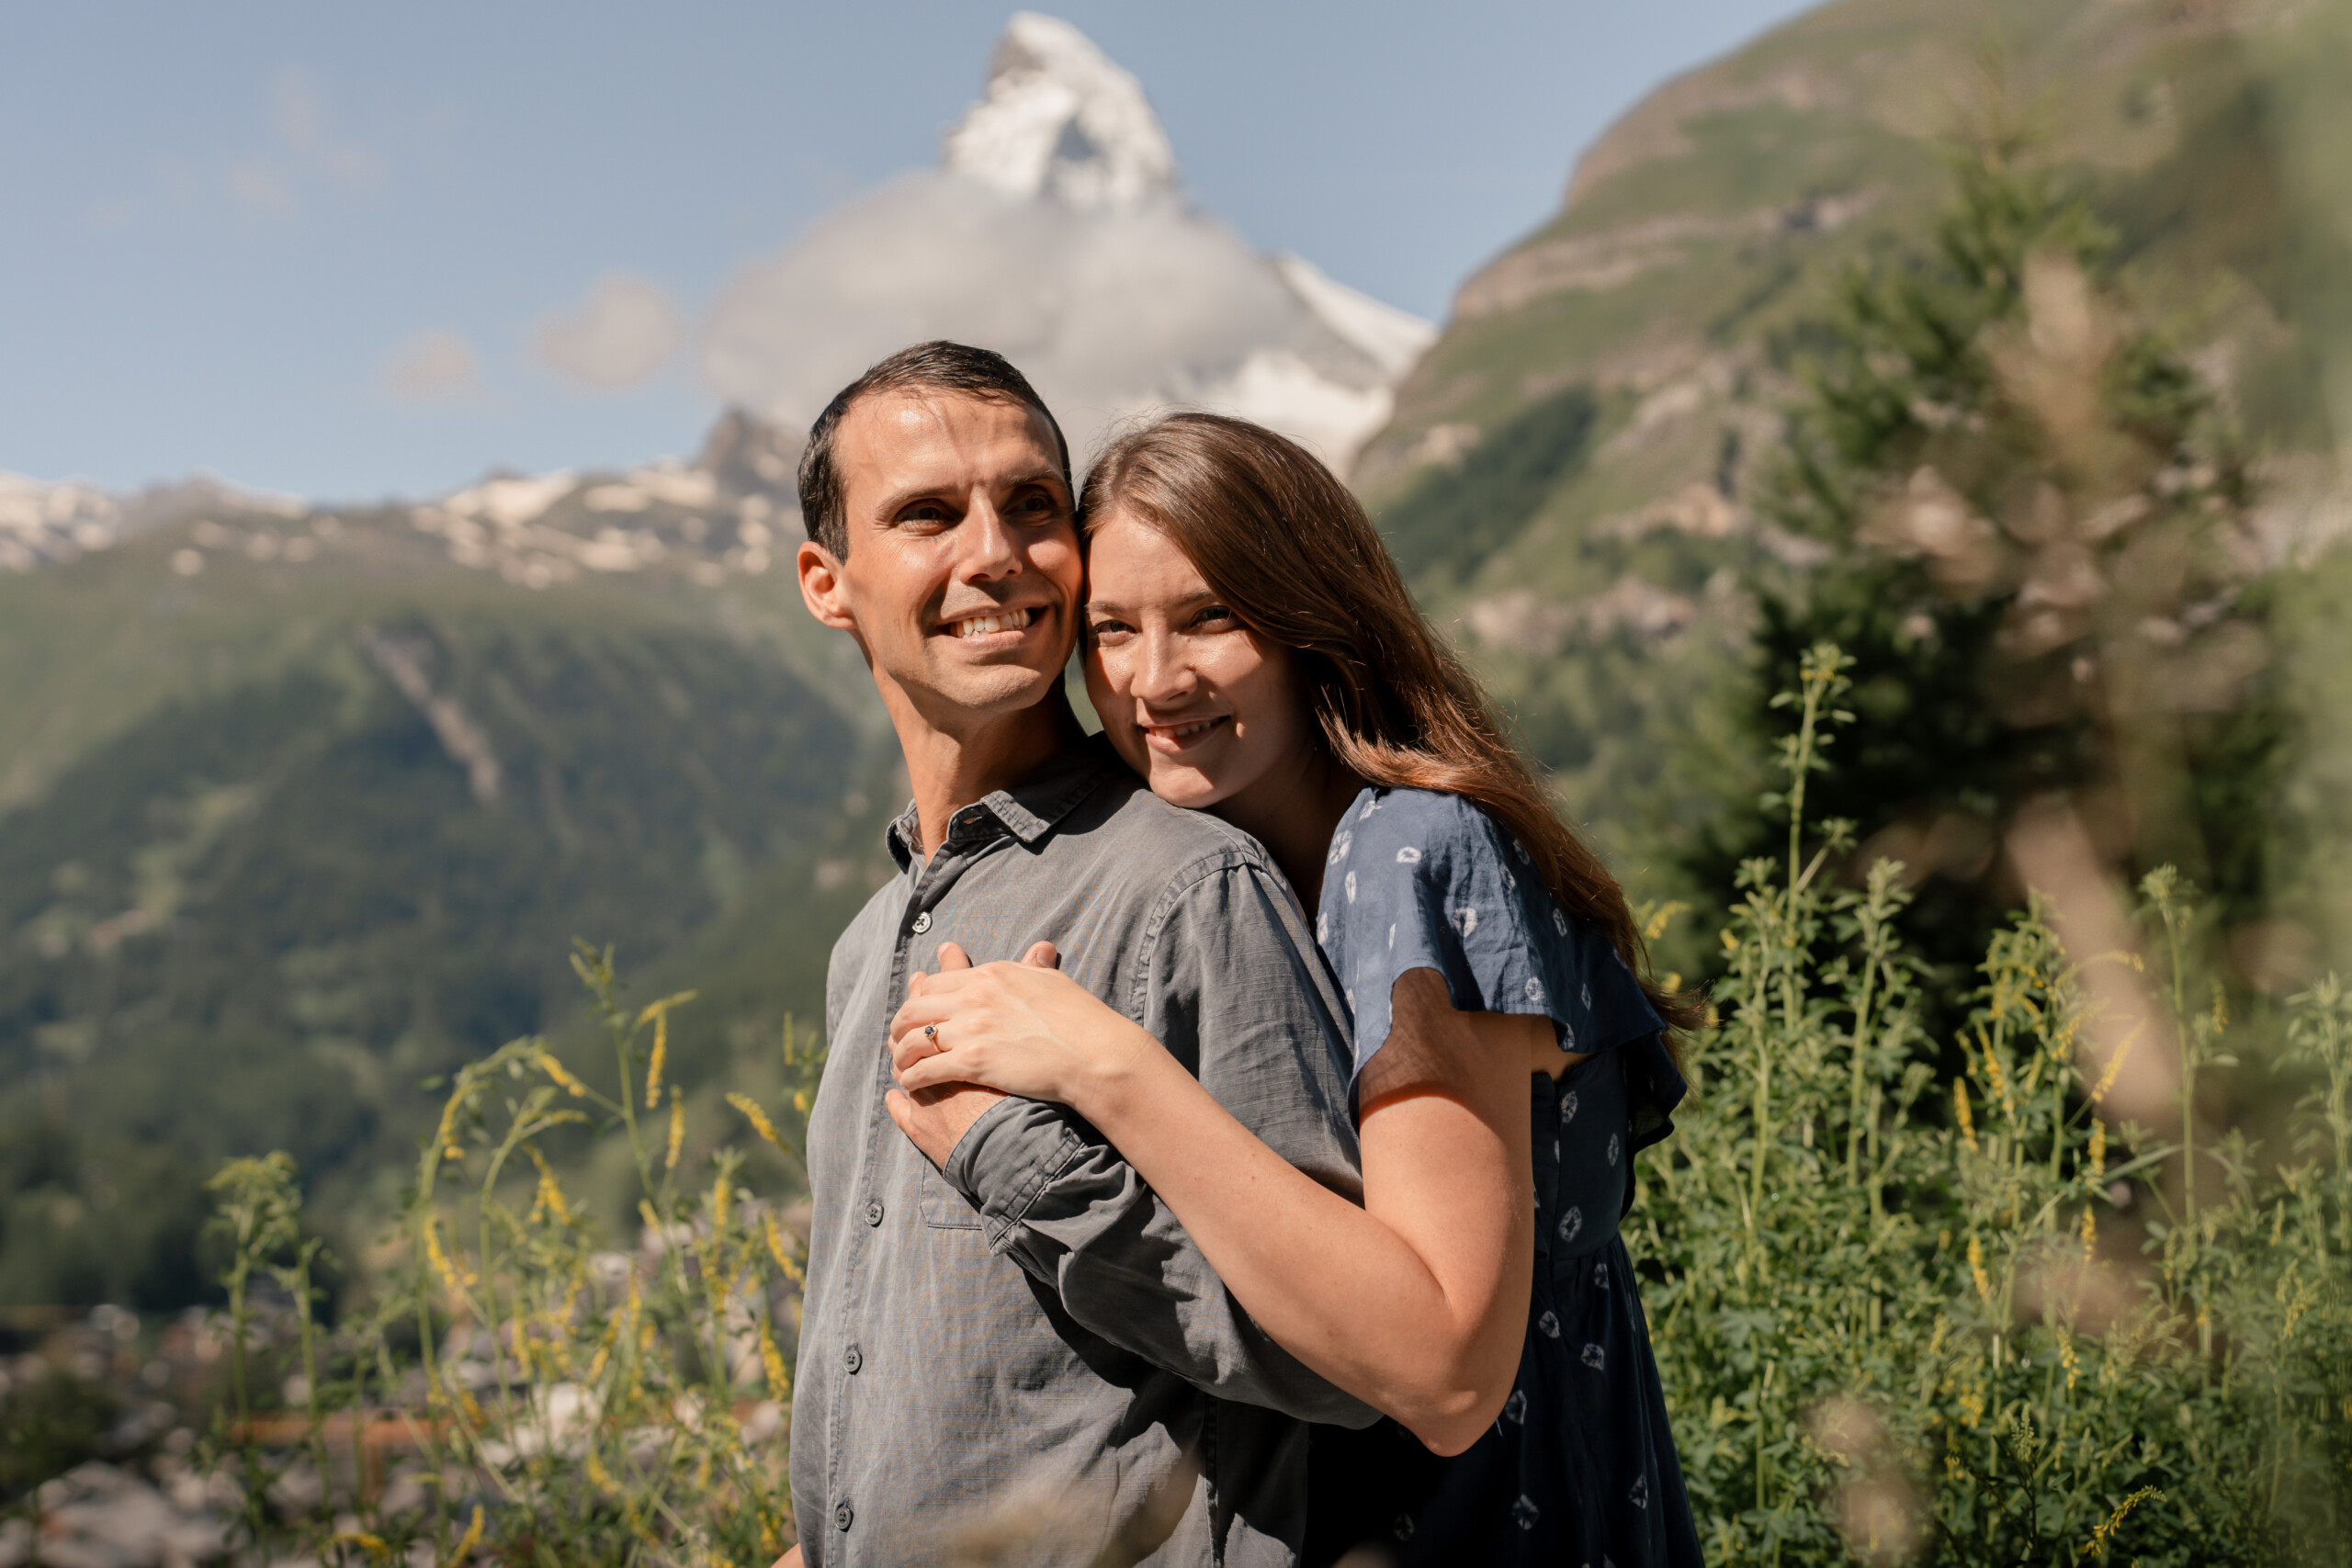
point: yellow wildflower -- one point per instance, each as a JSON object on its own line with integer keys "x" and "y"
{"x": 2114, "y": 1066}
{"x": 758, "y": 1118}
{"x": 2090, "y": 1234}
{"x": 450, "y": 1276}
{"x": 779, "y": 1383}
{"x": 598, "y": 1476}
{"x": 1976, "y": 1269}
{"x": 2097, "y": 1546}
{"x": 1961, "y": 1111}
{"x": 550, "y": 1194}
{"x": 557, "y": 1071}
{"x": 677, "y": 1130}
{"x": 2098, "y": 1149}
{"x": 467, "y": 1542}
{"x": 653, "y": 1063}
{"x": 721, "y": 1194}
{"x": 779, "y": 1251}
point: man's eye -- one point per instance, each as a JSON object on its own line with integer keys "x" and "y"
{"x": 925, "y": 512}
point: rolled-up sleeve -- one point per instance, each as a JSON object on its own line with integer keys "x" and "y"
{"x": 1232, "y": 987}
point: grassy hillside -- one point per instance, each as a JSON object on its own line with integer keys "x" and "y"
{"x": 1573, "y": 469}
{"x": 299, "y": 824}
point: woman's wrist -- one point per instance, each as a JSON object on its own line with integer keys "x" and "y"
{"x": 1118, "y": 1078}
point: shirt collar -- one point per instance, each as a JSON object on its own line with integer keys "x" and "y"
{"x": 1029, "y": 810}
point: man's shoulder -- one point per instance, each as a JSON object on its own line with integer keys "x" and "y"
{"x": 1170, "y": 843}
{"x": 873, "y": 920}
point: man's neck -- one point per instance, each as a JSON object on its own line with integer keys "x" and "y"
{"x": 949, "y": 769}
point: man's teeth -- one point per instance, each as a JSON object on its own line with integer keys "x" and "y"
{"x": 982, "y": 626}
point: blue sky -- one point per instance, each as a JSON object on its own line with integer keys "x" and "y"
{"x": 311, "y": 248}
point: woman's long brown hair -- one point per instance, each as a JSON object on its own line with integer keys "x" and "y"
{"x": 1290, "y": 551}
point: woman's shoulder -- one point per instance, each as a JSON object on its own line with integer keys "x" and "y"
{"x": 1415, "y": 827}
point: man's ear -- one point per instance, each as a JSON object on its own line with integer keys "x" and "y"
{"x": 821, "y": 588}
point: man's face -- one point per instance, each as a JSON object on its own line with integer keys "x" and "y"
{"x": 963, "y": 575}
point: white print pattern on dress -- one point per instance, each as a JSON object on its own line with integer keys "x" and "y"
{"x": 1587, "y": 996}
{"x": 1468, "y": 919}
{"x": 1392, "y": 936}
{"x": 1515, "y": 1407}
{"x": 1510, "y": 883}
{"x": 1342, "y": 842}
{"x": 1322, "y": 925}
{"x": 1559, "y": 921}
{"x": 1535, "y": 990}
{"x": 1571, "y": 1224}
{"x": 1369, "y": 807}
{"x": 1549, "y": 1324}
{"x": 1594, "y": 1356}
{"x": 1409, "y": 855}
{"x": 1601, "y": 1273}
{"x": 1614, "y": 1148}
{"x": 1523, "y": 1512}
{"x": 1640, "y": 1492}
{"x": 1352, "y": 887}
{"x": 1567, "y": 1108}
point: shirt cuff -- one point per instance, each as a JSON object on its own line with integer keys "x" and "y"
{"x": 1007, "y": 1157}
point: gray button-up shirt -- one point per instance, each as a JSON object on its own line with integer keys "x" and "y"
{"x": 1027, "y": 1349}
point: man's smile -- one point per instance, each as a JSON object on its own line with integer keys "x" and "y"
{"x": 991, "y": 622}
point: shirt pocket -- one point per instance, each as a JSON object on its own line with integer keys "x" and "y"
{"x": 942, "y": 1207}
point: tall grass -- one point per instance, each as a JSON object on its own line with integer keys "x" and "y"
{"x": 1977, "y": 1322}
{"x": 520, "y": 1392}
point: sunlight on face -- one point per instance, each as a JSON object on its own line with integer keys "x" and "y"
{"x": 1205, "y": 709}
{"x": 963, "y": 568}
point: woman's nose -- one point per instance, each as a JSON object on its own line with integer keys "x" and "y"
{"x": 1163, "y": 673}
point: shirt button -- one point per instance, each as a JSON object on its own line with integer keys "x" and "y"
{"x": 873, "y": 1211}
{"x": 852, "y": 1358}
{"x": 843, "y": 1515}
{"x": 922, "y": 922}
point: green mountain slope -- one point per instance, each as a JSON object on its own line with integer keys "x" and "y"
{"x": 304, "y": 810}
{"x": 1572, "y": 468}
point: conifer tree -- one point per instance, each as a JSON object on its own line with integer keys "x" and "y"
{"x": 2039, "y": 559}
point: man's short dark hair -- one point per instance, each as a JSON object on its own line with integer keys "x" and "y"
{"x": 938, "y": 365}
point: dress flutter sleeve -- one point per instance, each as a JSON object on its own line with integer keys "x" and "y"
{"x": 1415, "y": 879}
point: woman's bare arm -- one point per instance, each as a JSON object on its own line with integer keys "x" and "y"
{"x": 1414, "y": 1303}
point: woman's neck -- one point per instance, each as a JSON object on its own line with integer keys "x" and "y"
{"x": 1293, "y": 811}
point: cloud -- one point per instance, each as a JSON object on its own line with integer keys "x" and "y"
{"x": 1106, "y": 310}
{"x": 622, "y": 334}
{"x": 438, "y": 365}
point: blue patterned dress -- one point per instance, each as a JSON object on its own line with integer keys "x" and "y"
{"x": 1579, "y": 1469}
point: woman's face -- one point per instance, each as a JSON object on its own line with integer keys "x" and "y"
{"x": 1207, "y": 710}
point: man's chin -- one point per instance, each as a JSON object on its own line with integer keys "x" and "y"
{"x": 994, "y": 691}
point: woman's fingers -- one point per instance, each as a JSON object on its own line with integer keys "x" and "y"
{"x": 953, "y": 958}
{"x": 930, "y": 1072}
{"x": 1042, "y": 955}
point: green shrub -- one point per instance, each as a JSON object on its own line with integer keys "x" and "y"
{"x": 1896, "y": 1337}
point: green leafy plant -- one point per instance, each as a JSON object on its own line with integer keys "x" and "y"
{"x": 1903, "y": 1321}
{"x": 548, "y": 1398}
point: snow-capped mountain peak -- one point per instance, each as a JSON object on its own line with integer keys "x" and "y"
{"x": 1062, "y": 120}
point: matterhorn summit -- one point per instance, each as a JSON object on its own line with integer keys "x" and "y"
{"x": 1055, "y": 230}
{"x": 1062, "y": 120}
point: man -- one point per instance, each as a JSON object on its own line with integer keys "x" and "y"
{"x": 1007, "y": 1340}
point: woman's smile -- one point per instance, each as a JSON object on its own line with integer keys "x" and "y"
{"x": 1174, "y": 737}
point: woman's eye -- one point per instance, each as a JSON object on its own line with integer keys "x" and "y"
{"x": 1214, "y": 617}
{"x": 1101, "y": 630}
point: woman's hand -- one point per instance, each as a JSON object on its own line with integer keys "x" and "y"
{"x": 1025, "y": 1029}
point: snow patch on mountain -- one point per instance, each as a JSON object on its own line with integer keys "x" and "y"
{"x": 1062, "y": 120}
{"x": 1055, "y": 232}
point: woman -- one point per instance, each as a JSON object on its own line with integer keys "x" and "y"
{"x": 1253, "y": 651}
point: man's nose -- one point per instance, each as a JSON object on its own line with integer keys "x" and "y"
{"x": 990, "y": 550}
